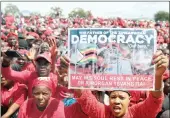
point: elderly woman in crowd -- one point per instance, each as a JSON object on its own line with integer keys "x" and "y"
{"x": 42, "y": 105}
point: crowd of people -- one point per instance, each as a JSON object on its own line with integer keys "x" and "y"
{"x": 34, "y": 77}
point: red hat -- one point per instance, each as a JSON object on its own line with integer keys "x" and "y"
{"x": 12, "y": 34}
{"x": 45, "y": 55}
{"x": 43, "y": 81}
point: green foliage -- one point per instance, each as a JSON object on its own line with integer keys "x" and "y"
{"x": 56, "y": 11}
{"x": 161, "y": 16}
{"x": 13, "y": 9}
{"x": 79, "y": 12}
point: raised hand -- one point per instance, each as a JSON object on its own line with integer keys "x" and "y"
{"x": 161, "y": 62}
{"x": 32, "y": 54}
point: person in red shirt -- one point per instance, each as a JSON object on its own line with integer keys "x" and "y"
{"x": 119, "y": 99}
{"x": 42, "y": 105}
{"x": 23, "y": 63}
{"x": 12, "y": 96}
{"x": 43, "y": 69}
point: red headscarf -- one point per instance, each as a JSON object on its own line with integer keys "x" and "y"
{"x": 43, "y": 81}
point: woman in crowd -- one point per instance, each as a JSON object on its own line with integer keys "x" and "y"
{"x": 119, "y": 99}
{"x": 12, "y": 40}
{"x": 12, "y": 96}
{"x": 42, "y": 105}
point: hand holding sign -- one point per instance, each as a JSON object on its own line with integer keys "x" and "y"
{"x": 161, "y": 62}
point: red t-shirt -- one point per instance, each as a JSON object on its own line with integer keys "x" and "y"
{"x": 137, "y": 96}
{"x": 61, "y": 92}
{"x": 74, "y": 111}
{"x": 29, "y": 67}
{"x": 55, "y": 109}
{"x": 149, "y": 108}
{"x": 28, "y": 77}
{"x": 17, "y": 94}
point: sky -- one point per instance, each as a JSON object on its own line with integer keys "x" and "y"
{"x": 100, "y": 9}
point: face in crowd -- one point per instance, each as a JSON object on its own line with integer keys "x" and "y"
{"x": 22, "y": 61}
{"x": 12, "y": 41}
{"x": 119, "y": 102}
{"x": 41, "y": 95}
{"x": 43, "y": 67}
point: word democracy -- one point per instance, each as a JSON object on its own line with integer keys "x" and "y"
{"x": 139, "y": 39}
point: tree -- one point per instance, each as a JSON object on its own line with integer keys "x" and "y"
{"x": 79, "y": 12}
{"x": 13, "y": 9}
{"x": 161, "y": 16}
{"x": 56, "y": 11}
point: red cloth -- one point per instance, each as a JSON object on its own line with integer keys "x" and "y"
{"x": 75, "y": 111}
{"x": 55, "y": 109}
{"x": 94, "y": 109}
{"x": 17, "y": 94}
{"x": 136, "y": 97}
{"x": 42, "y": 81}
{"x": 61, "y": 92}
{"x": 28, "y": 78}
{"x": 29, "y": 67}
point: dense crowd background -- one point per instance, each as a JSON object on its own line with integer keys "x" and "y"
{"x": 32, "y": 37}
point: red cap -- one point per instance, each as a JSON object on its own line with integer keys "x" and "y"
{"x": 43, "y": 81}
{"x": 12, "y": 34}
{"x": 45, "y": 55}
